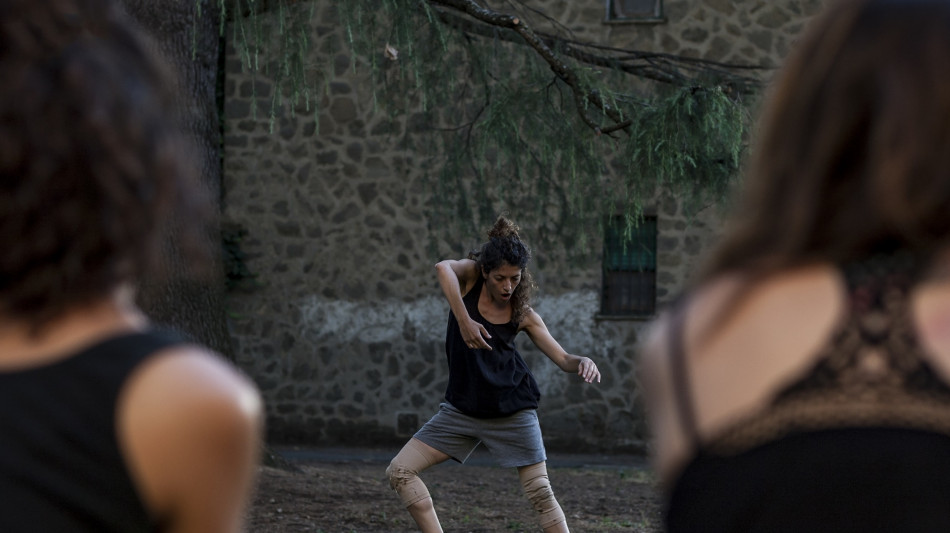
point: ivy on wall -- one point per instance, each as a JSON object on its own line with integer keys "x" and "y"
{"x": 238, "y": 276}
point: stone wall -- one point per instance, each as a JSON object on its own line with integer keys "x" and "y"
{"x": 344, "y": 332}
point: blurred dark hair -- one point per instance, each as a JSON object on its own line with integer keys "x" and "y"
{"x": 853, "y": 156}
{"x": 504, "y": 246}
{"x": 92, "y": 165}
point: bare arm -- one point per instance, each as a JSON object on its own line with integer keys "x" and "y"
{"x": 189, "y": 426}
{"x": 454, "y": 277}
{"x": 538, "y": 333}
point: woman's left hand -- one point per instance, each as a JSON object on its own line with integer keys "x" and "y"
{"x": 588, "y": 370}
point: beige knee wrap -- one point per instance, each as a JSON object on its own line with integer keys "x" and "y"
{"x": 537, "y": 486}
{"x": 403, "y": 473}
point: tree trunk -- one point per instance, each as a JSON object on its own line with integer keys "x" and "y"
{"x": 191, "y": 45}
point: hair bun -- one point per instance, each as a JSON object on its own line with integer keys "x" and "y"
{"x": 503, "y": 228}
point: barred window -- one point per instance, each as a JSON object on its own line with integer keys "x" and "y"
{"x": 629, "y": 269}
{"x": 635, "y": 11}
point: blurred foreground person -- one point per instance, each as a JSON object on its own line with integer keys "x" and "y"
{"x": 106, "y": 425}
{"x": 802, "y": 383}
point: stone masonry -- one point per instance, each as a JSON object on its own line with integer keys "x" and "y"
{"x": 344, "y": 332}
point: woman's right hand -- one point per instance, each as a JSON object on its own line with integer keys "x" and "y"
{"x": 474, "y": 334}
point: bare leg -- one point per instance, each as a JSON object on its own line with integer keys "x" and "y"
{"x": 403, "y": 474}
{"x": 537, "y": 487}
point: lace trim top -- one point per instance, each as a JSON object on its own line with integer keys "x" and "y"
{"x": 858, "y": 442}
{"x": 872, "y": 373}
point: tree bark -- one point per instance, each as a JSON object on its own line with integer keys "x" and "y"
{"x": 190, "y": 43}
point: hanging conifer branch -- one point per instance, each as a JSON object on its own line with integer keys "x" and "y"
{"x": 658, "y": 67}
{"x": 522, "y": 147}
{"x": 472, "y": 92}
{"x": 664, "y": 68}
{"x": 582, "y": 94}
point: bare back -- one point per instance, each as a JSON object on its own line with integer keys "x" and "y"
{"x": 774, "y": 334}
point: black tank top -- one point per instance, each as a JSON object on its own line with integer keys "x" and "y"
{"x": 860, "y": 442}
{"x": 61, "y": 469}
{"x": 487, "y": 383}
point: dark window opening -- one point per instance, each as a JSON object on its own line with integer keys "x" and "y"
{"x": 629, "y": 287}
{"x": 635, "y": 11}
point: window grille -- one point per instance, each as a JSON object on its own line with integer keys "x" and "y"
{"x": 635, "y": 11}
{"x": 629, "y": 269}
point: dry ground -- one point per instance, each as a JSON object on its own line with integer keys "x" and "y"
{"x": 351, "y": 495}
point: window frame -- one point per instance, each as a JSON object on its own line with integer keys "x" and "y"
{"x": 610, "y": 16}
{"x": 609, "y": 276}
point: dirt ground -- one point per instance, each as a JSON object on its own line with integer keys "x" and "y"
{"x": 346, "y": 495}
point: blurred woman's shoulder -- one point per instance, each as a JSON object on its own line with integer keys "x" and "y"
{"x": 725, "y": 346}
{"x": 188, "y": 423}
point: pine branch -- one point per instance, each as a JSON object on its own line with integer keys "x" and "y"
{"x": 582, "y": 93}
{"x": 247, "y": 8}
{"x": 659, "y": 67}
{"x": 663, "y": 68}
{"x": 517, "y": 147}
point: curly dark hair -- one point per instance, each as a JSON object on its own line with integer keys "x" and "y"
{"x": 505, "y": 246}
{"x": 92, "y": 165}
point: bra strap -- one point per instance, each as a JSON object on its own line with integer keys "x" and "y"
{"x": 682, "y": 394}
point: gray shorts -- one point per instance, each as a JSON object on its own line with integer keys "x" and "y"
{"x": 513, "y": 440}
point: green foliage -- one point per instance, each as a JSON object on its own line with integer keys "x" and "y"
{"x": 690, "y": 142}
{"x": 501, "y": 133}
{"x": 281, "y": 29}
{"x": 507, "y": 137}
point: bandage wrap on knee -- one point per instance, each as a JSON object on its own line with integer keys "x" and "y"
{"x": 403, "y": 473}
{"x": 537, "y": 487}
{"x": 406, "y": 483}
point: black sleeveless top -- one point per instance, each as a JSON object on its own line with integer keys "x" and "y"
{"x": 487, "y": 383}
{"x": 61, "y": 469}
{"x": 860, "y": 442}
